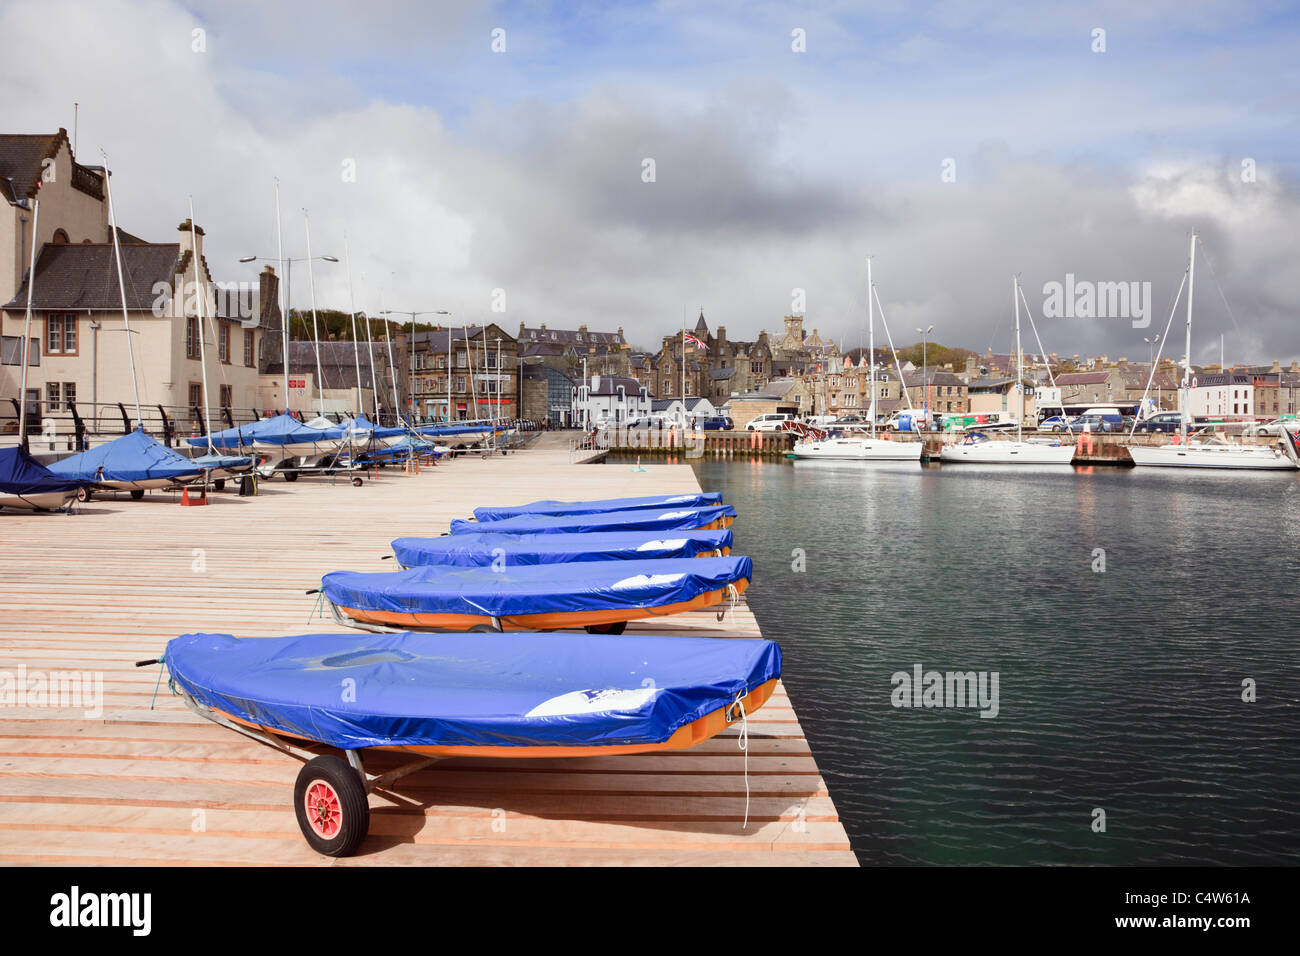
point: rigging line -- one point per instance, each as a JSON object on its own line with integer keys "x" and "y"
{"x": 1209, "y": 262}
{"x": 1160, "y": 347}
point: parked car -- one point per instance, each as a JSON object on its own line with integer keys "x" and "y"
{"x": 1057, "y": 423}
{"x": 770, "y": 422}
{"x": 719, "y": 423}
{"x": 1275, "y": 427}
{"x": 1099, "y": 423}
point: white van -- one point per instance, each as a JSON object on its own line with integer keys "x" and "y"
{"x": 768, "y": 423}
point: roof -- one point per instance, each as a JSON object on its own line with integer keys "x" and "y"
{"x": 933, "y": 377}
{"x": 692, "y": 403}
{"x": 338, "y": 362}
{"x": 84, "y": 276}
{"x": 437, "y": 338}
{"x": 983, "y": 384}
{"x": 701, "y": 325}
{"x": 777, "y": 389}
{"x": 1082, "y": 378}
{"x": 21, "y": 155}
{"x": 721, "y": 374}
{"x": 609, "y": 386}
{"x": 568, "y": 337}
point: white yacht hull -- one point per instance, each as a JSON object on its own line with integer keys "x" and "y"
{"x": 1007, "y": 453}
{"x": 859, "y": 449}
{"x": 1194, "y": 455}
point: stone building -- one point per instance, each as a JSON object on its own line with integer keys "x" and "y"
{"x": 479, "y": 365}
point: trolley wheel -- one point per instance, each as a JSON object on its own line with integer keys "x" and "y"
{"x": 330, "y": 801}
{"x": 137, "y": 493}
{"x": 290, "y": 474}
{"x": 84, "y": 494}
{"x": 219, "y": 485}
{"x": 356, "y": 482}
{"x": 618, "y": 627}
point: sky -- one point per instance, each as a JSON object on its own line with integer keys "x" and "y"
{"x": 956, "y": 144}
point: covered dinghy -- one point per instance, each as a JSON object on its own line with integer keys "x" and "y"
{"x": 28, "y": 485}
{"x": 602, "y": 595}
{"x": 134, "y": 462}
{"x": 690, "y": 500}
{"x": 642, "y": 519}
{"x": 283, "y": 434}
{"x": 486, "y": 549}
{"x": 536, "y": 695}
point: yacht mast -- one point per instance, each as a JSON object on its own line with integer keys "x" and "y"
{"x": 121, "y": 287}
{"x": 1187, "y": 365}
{"x": 27, "y": 331}
{"x": 315, "y": 330}
{"x": 1020, "y": 364}
{"x": 280, "y": 287}
{"x": 871, "y": 346}
{"x": 199, "y": 297}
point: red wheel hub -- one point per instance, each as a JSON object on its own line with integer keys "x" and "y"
{"x": 324, "y": 813}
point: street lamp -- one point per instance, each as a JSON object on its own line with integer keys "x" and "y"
{"x": 411, "y": 346}
{"x": 925, "y": 381}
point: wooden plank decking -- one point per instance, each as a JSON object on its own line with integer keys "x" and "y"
{"x": 96, "y": 591}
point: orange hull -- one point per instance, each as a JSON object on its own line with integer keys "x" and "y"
{"x": 552, "y": 621}
{"x": 696, "y": 732}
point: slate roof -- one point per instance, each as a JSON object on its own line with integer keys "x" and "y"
{"x": 564, "y": 338}
{"x": 84, "y": 276}
{"x": 20, "y": 161}
{"x": 1082, "y": 378}
{"x": 337, "y": 359}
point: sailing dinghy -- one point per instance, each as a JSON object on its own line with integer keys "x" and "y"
{"x": 134, "y": 463}
{"x": 487, "y": 549}
{"x": 642, "y": 519}
{"x": 27, "y": 485}
{"x": 601, "y": 596}
{"x": 437, "y": 696}
{"x": 707, "y": 499}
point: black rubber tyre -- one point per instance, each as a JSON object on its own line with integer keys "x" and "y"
{"x": 616, "y": 628}
{"x": 356, "y": 482}
{"x": 85, "y": 494}
{"x": 290, "y": 475}
{"x": 340, "y": 814}
{"x": 137, "y": 493}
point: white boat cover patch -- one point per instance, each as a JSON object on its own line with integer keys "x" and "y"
{"x": 595, "y": 701}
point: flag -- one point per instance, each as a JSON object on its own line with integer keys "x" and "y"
{"x": 692, "y": 340}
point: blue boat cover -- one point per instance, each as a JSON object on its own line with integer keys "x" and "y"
{"x": 690, "y": 500}
{"x": 534, "y": 589}
{"x": 481, "y": 550}
{"x": 453, "y": 690}
{"x": 21, "y": 474}
{"x": 228, "y": 462}
{"x": 642, "y": 519}
{"x": 435, "y": 431}
{"x": 133, "y": 457}
{"x": 364, "y": 427}
{"x": 280, "y": 430}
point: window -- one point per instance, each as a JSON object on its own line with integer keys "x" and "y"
{"x": 460, "y": 382}
{"x": 227, "y": 396}
{"x": 223, "y": 342}
{"x": 52, "y": 396}
{"x": 460, "y": 360}
{"x": 192, "y": 337}
{"x": 69, "y": 394}
{"x": 11, "y": 350}
{"x": 196, "y": 394}
{"x": 248, "y": 348}
{"x": 61, "y": 334}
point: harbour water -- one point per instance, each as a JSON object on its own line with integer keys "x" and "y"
{"x": 1126, "y": 614}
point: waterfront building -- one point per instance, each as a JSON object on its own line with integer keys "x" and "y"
{"x": 466, "y": 360}
{"x": 783, "y": 395}
{"x": 615, "y": 399}
{"x": 606, "y": 353}
{"x": 547, "y": 394}
{"x": 341, "y": 396}
{"x": 941, "y": 391}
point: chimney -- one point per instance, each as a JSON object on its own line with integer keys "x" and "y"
{"x": 1123, "y": 363}
{"x": 1277, "y": 366}
{"x": 582, "y": 328}
{"x": 970, "y": 366}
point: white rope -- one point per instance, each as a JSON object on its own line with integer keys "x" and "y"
{"x": 743, "y": 740}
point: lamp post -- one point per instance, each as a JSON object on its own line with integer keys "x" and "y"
{"x": 925, "y": 380}
{"x": 411, "y": 345}
{"x": 288, "y": 289}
